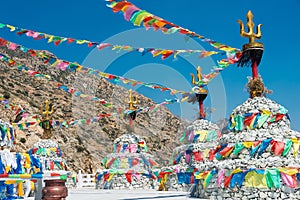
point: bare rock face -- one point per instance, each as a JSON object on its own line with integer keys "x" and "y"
{"x": 84, "y": 145}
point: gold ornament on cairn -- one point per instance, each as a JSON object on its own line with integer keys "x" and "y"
{"x": 131, "y": 102}
{"x": 251, "y": 34}
{"x": 46, "y": 125}
{"x": 201, "y": 92}
{"x": 252, "y": 53}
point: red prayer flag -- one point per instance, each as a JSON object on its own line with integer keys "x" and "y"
{"x": 277, "y": 147}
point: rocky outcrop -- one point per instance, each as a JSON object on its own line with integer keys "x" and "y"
{"x": 84, "y": 145}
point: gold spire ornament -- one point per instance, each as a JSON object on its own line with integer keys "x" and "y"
{"x": 252, "y": 52}
{"x": 47, "y": 110}
{"x": 131, "y": 102}
{"x": 46, "y": 125}
{"x": 250, "y": 34}
{"x": 201, "y": 93}
{"x": 196, "y": 83}
{"x": 199, "y": 75}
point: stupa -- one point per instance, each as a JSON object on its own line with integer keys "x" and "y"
{"x": 258, "y": 158}
{"x": 51, "y": 157}
{"x": 129, "y": 166}
{"x": 200, "y": 135}
{"x": 47, "y": 150}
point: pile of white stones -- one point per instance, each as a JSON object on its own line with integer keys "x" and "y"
{"x": 49, "y": 154}
{"x": 119, "y": 182}
{"x": 182, "y": 166}
{"x": 139, "y": 181}
{"x": 278, "y": 131}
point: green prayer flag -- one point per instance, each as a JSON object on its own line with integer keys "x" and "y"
{"x": 273, "y": 178}
{"x": 262, "y": 119}
{"x": 237, "y": 148}
{"x": 207, "y": 180}
{"x": 183, "y": 137}
{"x": 287, "y": 147}
{"x": 63, "y": 177}
{"x": 239, "y": 122}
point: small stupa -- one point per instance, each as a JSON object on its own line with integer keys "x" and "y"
{"x": 129, "y": 166}
{"x": 200, "y": 135}
{"x": 51, "y": 157}
{"x": 47, "y": 150}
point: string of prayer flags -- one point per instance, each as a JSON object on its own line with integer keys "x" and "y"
{"x": 251, "y": 121}
{"x": 201, "y": 136}
{"x": 253, "y": 177}
{"x": 141, "y": 17}
{"x": 73, "y": 66}
{"x": 223, "y": 151}
{"x": 64, "y": 124}
{"x": 57, "y": 40}
{"x": 23, "y": 68}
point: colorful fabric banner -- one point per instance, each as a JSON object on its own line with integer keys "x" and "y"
{"x": 252, "y": 121}
{"x": 137, "y": 16}
{"x": 16, "y": 164}
{"x": 60, "y": 86}
{"x": 73, "y": 66}
{"x": 201, "y": 136}
{"x": 223, "y": 151}
{"x": 253, "y": 177}
{"x": 56, "y": 40}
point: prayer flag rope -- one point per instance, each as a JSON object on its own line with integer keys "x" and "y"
{"x": 137, "y": 16}
{"x": 24, "y": 68}
{"x": 73, "y": 66}
{"x": 252, "y": 121}
{"x": 56, "y": 40}
{"x": 223, "y": 151}
{"x": 253, "y": 177}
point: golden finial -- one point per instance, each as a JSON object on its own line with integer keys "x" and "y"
{"x": 199, "y": 76}
{"x": 131, "y": 102}
{"x": 250, "y": 34}
{"x": 47, "y": 111}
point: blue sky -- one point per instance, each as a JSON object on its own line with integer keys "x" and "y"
{"x": 214, "y": 19}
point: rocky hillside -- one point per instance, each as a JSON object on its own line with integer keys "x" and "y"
{"x": 84, "y": 145}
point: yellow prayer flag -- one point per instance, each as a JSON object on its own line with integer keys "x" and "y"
{"x": 205, "y": 153}
{"x": 253, "y": 179}
{"x": 266, "y": 112}
{"x": 295, "y": 146}
{"x": 203, "y": 135}
{"x": 81, "y": 41}
{"x": 247, "y": 144}
{"x": 288, "y": 171}
{"x": 110, "y": 177}
{"x": 8, "y": 182}
{"x": 236, "y": 171}
{"x": 201, "y": 175}
{"x": 50, "y": 38}
{"x": 12, "y": 28}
